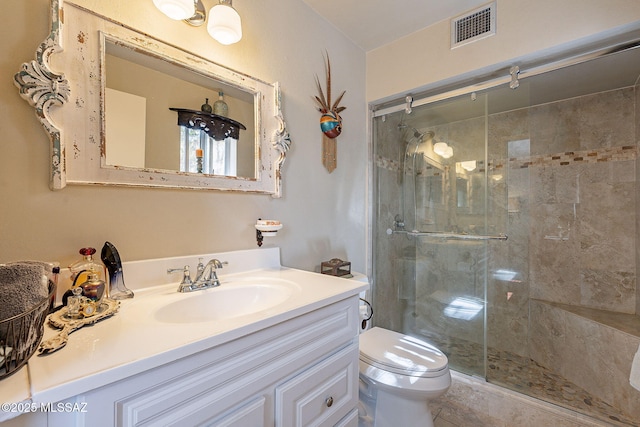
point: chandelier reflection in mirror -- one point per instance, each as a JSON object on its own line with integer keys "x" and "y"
{"x": 225, "y": 25}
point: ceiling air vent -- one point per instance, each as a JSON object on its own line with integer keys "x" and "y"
{"x": 474, "y": 25}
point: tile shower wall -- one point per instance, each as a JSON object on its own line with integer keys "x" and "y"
{"x": 571, "y": 210}
{"x": 571, "y": 196}
{"x": 572, "y": 199}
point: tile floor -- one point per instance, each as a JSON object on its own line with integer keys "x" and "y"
{"x": 524, "y": 375}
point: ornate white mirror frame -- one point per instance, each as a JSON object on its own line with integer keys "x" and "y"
{"x": 66, "y": 85}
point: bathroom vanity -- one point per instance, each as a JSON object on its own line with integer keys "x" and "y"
{"x": 288, "y": 357}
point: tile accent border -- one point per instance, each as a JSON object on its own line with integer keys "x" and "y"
{"x": 613, "y": 154}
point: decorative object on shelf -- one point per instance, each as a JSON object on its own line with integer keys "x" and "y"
{"x": 220, "y": 107}
{"x": 199, "y": 154}
{"x": 266, "y": 228}
{"x": 217, "y": 127}
{"x": 330, "y": 121}
{"x": 206, "y": 107}
{"x": 336, "y": 267}
{"x": 61, "y": 320}
{"x": 225, "y": 25}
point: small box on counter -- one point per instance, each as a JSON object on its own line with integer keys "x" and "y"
{"x": 336, "y": 267}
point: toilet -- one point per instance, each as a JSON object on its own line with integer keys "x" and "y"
{"x": 398, "y": 375}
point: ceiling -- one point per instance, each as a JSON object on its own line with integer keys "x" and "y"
{"x": 374, "y": 23}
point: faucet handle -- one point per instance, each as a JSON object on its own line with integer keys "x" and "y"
{"x": 186, "y": 274}
{"x": 200, "y": 267}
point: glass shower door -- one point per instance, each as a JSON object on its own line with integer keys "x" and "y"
{"x": 433, "y": 179}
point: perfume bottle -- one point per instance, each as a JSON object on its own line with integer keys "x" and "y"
{"x": 220, "y": 107}
{"x": 82, "y": 269}
{"x": 93, "y": 288}
{"x": 73, "y": 303}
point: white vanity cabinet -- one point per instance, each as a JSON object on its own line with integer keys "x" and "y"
{"x": 299, "y": 372}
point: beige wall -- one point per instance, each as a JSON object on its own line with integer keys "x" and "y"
{"x": 524, "y": 29}
{"x": 323, "y": 214}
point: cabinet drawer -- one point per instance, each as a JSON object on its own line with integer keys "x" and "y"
{"x": 323, "y": 394}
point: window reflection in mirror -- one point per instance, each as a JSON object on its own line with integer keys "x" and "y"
{"x": 141, "y": 131}
{"x": 217, "y": 157}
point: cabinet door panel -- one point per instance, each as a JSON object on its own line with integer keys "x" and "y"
{"x": 321, "y": 395}
{"x": 251, "y": 415}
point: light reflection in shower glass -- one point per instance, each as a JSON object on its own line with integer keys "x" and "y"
{"x": 463, "y": 308}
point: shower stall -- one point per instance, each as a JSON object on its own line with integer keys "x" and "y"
{"x": 505, "y": 230}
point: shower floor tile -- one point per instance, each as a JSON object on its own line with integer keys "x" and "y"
{"x": 526, "y": 376}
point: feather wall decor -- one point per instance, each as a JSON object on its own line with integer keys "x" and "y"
{"x": 330, "y": 121}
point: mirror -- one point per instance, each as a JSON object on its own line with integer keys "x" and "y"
{"x": 80, "y": 93}
{"x": 142, "y": 126}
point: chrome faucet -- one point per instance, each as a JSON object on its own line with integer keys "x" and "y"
{"x": 206, "y": 276}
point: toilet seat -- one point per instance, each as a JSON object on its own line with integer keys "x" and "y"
{"x": 401, "y": 354}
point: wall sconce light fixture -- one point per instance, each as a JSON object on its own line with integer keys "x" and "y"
{"x": 176, "y": 9}
{"x": 225, "y": 25}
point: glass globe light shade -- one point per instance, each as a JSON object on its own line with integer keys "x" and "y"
{"x": 176, "y": 9}
{"x": 440, "y": 148}
{"x": 448, "y": 152}
{"x": 224, "y": 24}
{"x": 469, "y": 165}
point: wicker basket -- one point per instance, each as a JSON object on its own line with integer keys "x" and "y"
{"x": 20, "y": 335}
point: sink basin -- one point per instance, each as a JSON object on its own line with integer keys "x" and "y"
{"x": 229, "y": 300}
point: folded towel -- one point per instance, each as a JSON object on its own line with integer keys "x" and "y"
{"x": 634, "y": 377}
{"x": 22, "y": 287}
{"x": 51, "y": 269}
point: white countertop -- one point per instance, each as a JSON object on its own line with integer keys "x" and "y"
{"x": 14, "y": 389}
{"x": 134, "y": 340}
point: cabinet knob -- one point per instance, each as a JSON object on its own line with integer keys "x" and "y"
{"x": 329, "y": 401}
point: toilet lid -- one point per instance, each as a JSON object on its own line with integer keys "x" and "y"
{"x": 401, "y": 354}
